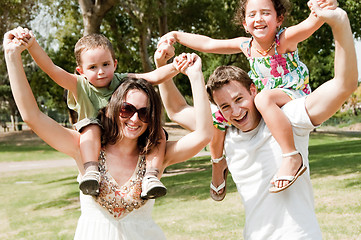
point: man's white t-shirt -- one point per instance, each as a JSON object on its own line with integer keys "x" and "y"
{"x": 253, "y": 159}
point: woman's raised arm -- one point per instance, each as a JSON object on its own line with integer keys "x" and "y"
{"x": 60, "y": 138}
{"x": 192, "y": 143}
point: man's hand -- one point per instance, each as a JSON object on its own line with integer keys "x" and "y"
{"x": 188, "y": 63}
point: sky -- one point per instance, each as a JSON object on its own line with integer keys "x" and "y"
{"x": 358, "y": 53}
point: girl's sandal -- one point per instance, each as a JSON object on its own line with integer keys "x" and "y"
{"x": 291, "y": 179}
{"x": 214, "y": 190}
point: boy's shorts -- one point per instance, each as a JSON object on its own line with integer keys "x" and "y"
{"x": 79, "y": 126}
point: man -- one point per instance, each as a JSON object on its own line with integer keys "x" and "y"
{"x": 253, "y": 155}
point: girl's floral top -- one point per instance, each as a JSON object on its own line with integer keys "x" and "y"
{"x": 284, "y": 71}
{"x": 120, "y": 200}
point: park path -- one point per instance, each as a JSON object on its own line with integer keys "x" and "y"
{"x": 175, "y": 132}
{"x": 30, "y": 165}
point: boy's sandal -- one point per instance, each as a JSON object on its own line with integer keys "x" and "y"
{"x": 214, "y": 190}
{"x": 152, "y": 188}
{"x": 89, "y": 184}
{"x": 291, "y": 179}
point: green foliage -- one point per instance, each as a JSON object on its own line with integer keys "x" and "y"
{"x": 12, "y": 14}
{"x": 129, "y": 20}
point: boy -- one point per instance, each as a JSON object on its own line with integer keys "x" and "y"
{"x": 88, "y": 93}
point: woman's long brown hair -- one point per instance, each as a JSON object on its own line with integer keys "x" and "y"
{"x": 110, "y": 115}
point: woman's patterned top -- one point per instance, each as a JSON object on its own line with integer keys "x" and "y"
{"x": 120, "y": 200}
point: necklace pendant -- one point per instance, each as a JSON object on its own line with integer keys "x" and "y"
{"x": 265, "y": 53}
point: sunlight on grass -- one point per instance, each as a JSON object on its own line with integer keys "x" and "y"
{"x": 43, "y": 204}
{"x": 26, "y": 146}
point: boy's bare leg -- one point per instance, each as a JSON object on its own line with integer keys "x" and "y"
{"x": 152, "y": 187}
{"x": 89, "y": 149}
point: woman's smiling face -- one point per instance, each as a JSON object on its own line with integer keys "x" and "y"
{"x": 133, "y": 127}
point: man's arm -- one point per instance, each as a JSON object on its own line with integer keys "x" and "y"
{"x": 329, "y": 97}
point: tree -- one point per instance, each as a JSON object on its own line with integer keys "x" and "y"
{"x": 134, "y": 27}
{"x": 12, "y": 13}
{"x": 93, "y": 13}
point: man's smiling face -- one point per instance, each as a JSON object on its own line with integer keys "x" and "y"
{"x": 237, "y": 105}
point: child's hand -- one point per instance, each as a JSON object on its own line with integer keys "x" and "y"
{"x": 328, "y": 14}
{"x": 188, "y": 63}
{"x": 163, "y": 53}
{"x": 323, "y": 4}
{"x": 328, "y": 4}
{"x": 16, "y": 40}
{"x": 167, "y": 38}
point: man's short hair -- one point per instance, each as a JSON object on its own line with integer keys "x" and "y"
{"x": 224, "y": 75}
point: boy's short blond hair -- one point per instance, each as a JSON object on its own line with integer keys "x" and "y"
{"x": 92, "y": 41}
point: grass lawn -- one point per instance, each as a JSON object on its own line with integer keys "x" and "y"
{"x": 43, "y": 204}
{"x": 25, "y": 146}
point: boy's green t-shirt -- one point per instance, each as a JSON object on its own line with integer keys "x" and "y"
{"x": 91, "y": 99}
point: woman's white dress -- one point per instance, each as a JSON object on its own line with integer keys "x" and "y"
{"x": 117, "y": 212}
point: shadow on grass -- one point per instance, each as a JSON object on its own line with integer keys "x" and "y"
{"x": 18, "y": 149}
{"x": 333, "y": 155}
{"x": 64, "y": 181}
{"x": 337, "y": 157}
{"x": 192, "y": 185}
{"x": 67, "y": 199}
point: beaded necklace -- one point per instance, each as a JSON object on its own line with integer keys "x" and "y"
{"x": 265, "y": 52}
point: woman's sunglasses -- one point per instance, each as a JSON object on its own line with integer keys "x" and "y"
{"x": 127, "y": 110}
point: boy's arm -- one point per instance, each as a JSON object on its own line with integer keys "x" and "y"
{"x": 329, "y": 97}
{"x": 59, "y": 75}
{"x": 158, "y": 75}
{"x": 300, "y": 32}
{"x": 203, "y": 43}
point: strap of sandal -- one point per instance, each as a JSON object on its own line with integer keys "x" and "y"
{"x": 216, "y": 189}
{"x": 92, "y": 174}
{"x": 217, "y": 160}
{"x": 286, "y": 178}
{"x": 290, "y": 154}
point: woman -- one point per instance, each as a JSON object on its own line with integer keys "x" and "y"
{"x": 131, "y": 129}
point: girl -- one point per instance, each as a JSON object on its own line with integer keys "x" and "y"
{"x": 275, "y": 69}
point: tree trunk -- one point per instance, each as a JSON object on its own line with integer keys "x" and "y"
{"x": 162, "y": 20}
{"x": 93, "y": 12}
{"x": 13, "y": 113}
{"x": 143, "y": 49}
